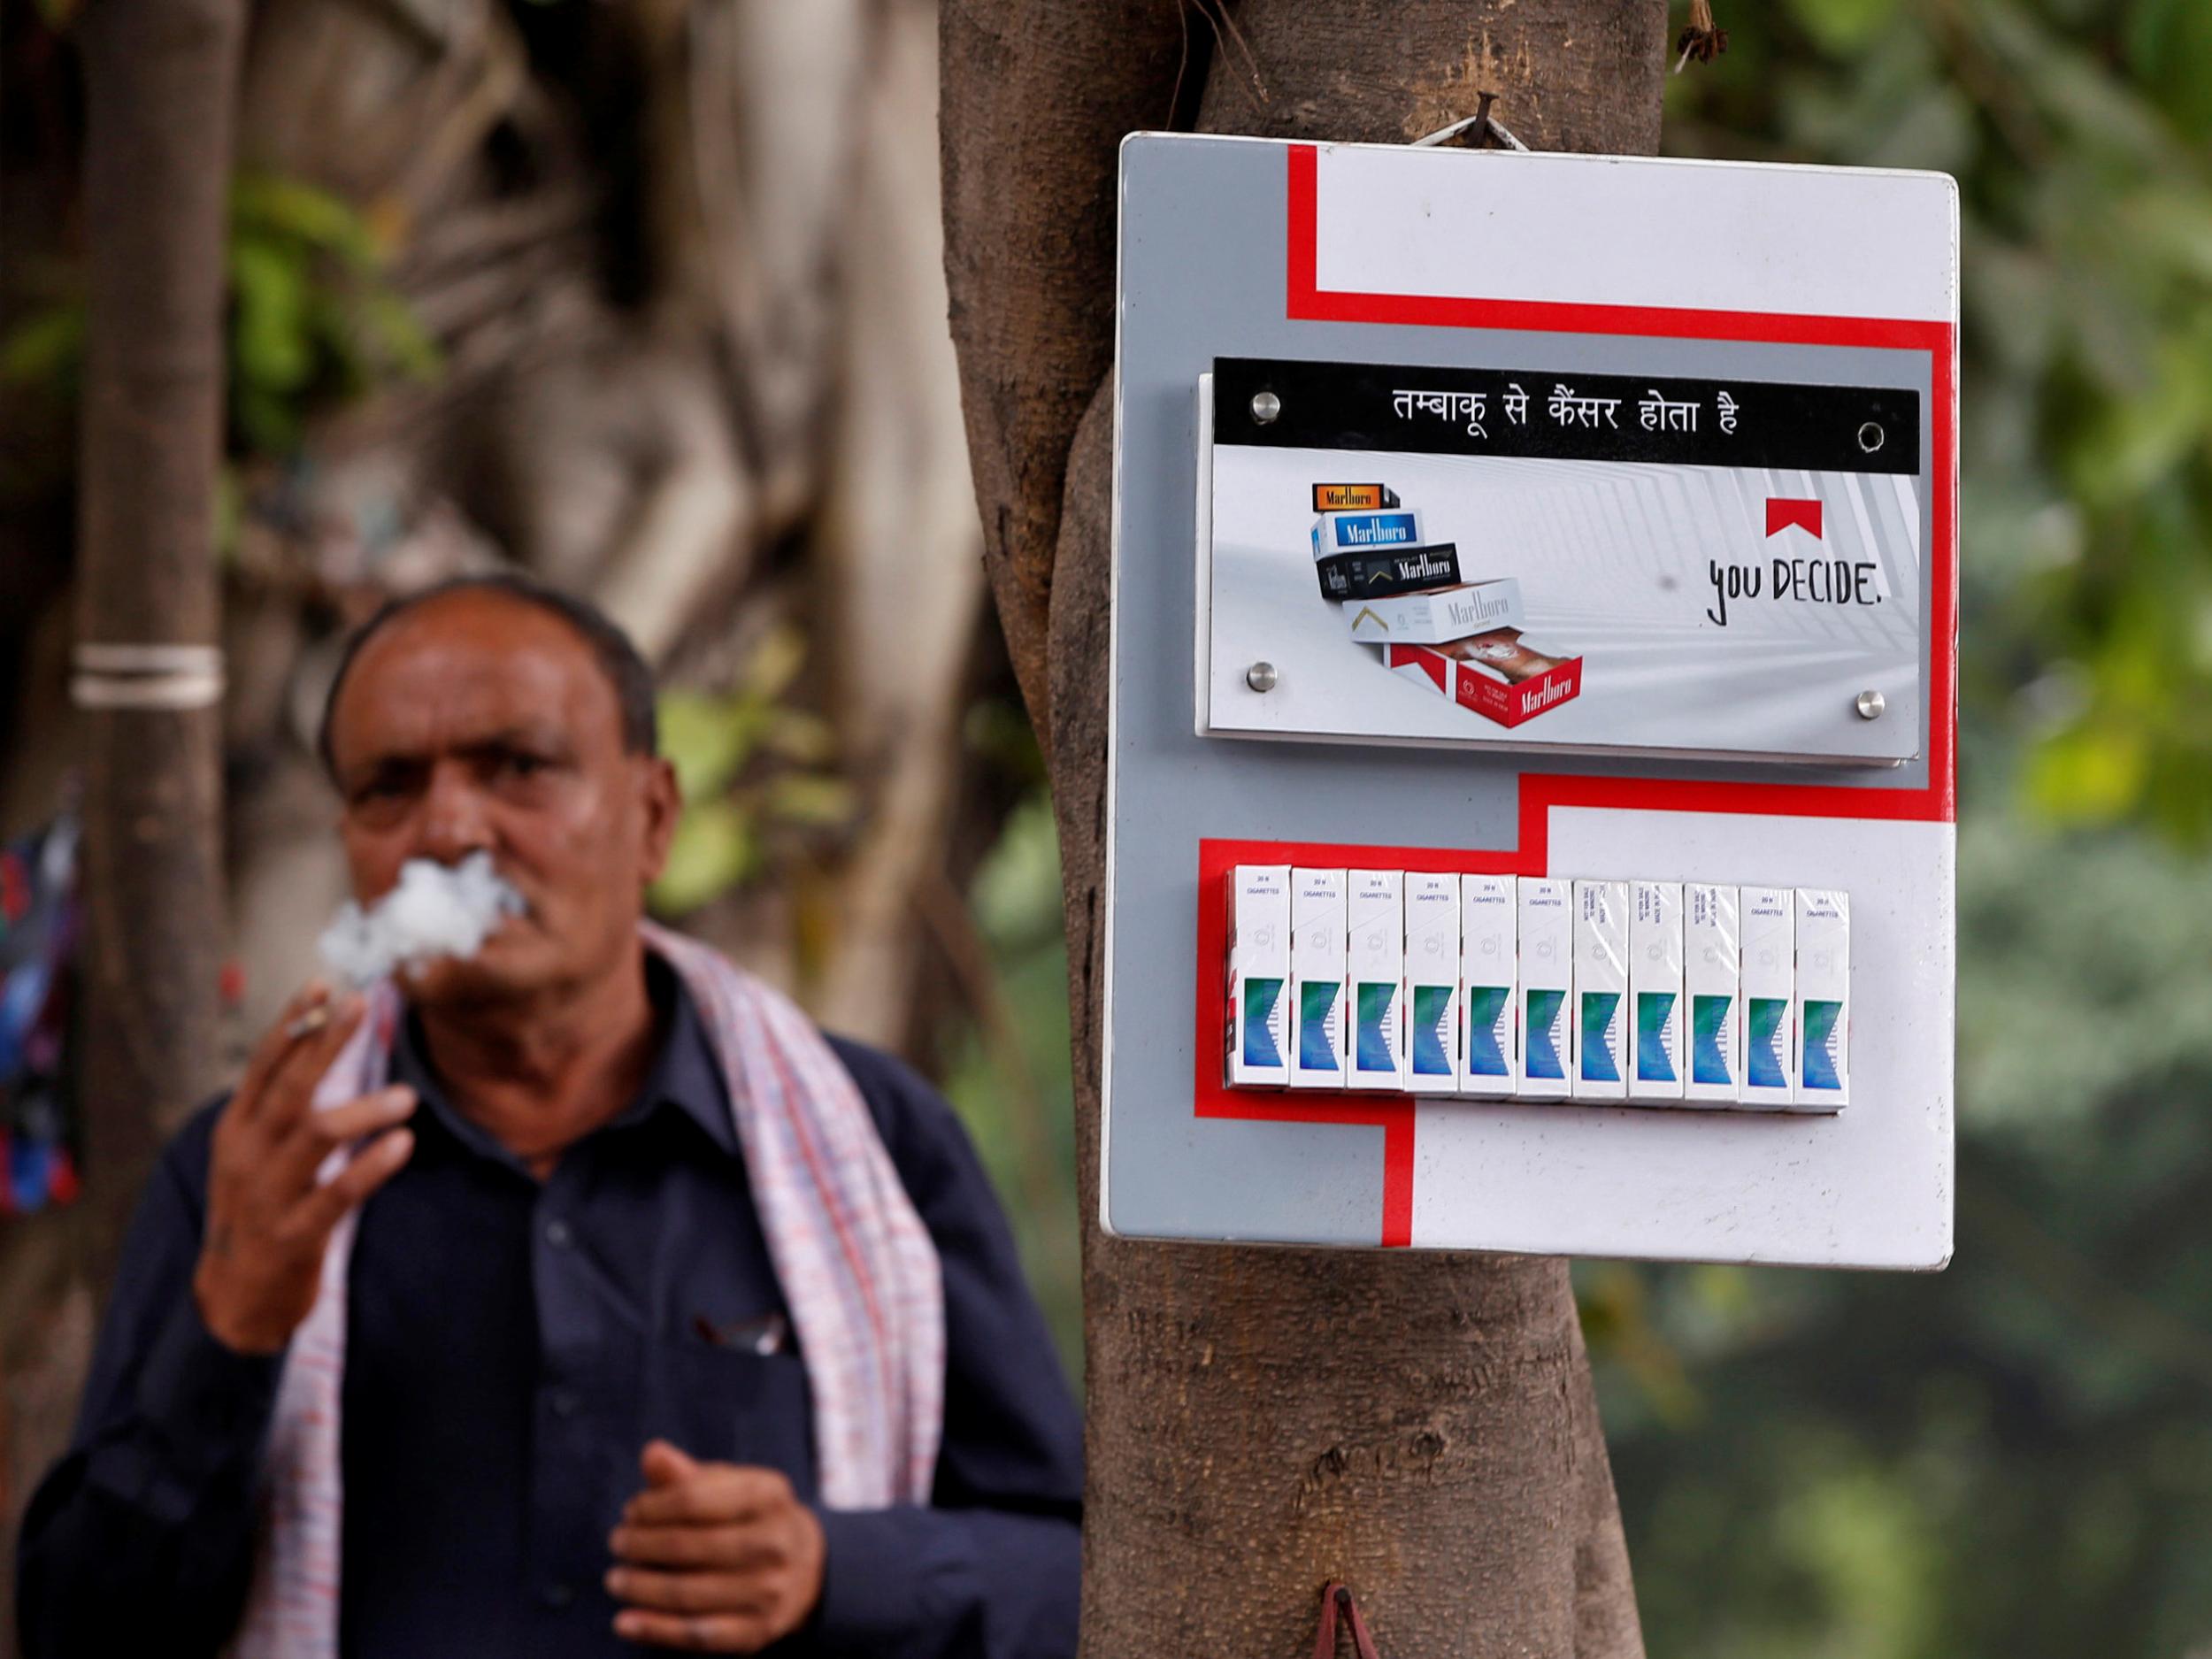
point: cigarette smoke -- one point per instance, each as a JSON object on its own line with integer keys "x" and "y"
{"x": 435, "y": 910}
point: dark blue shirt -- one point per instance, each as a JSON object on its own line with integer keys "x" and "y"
{"x": 511, "y": 1346}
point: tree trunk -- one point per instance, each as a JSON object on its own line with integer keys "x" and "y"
{"x": 1420, "y": 1426}
{"x": 159, "y": 84}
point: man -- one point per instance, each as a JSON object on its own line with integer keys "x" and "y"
{"x": 586, "y": 1299}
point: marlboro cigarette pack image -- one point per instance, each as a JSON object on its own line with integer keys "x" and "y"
{"x": 1600, "y": 1036}
{"x": 1383, "y": 575}
{"x": 1353, "y": 497}
{"x": 1823, "y": 999}
{"x": 1433, "y": 984}
{"x": 1770, "y": 984}
{"x": 1365, "y": 532}
{"x": 1259, "y": 975}
{"x": 1317, "y": 978}
{"x": 1375, "y": 971}
{"x": 1655, "y": 990}
{"x": 1709, "y": 981}
{"x": 1495, "y": 674}
{"x": 1489, "y": 976}
{"x": 1548, "y": 982}
{"x": 1438, "y": 615}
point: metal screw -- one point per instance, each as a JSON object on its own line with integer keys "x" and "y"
{"x": 1871, "y": 705}
{"x": 1265, "y": 407}
{"x": 1261, "y": 676}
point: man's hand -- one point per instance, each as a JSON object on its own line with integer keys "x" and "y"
{"x": 713, "y": 1558}
{"x": 267, "y": 1221}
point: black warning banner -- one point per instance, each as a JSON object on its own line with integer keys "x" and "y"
{"x": 1567, "y": 415}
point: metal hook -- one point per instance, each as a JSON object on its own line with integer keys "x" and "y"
{"x": 1481, "y": 126}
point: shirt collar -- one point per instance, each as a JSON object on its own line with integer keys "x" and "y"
{"x": 684, "y": 1077}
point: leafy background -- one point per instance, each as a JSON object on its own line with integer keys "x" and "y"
{"x": 2014, "y": 1458}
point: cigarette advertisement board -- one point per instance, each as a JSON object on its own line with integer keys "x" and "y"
{"x": 1705, "y": 566}
{"x": 1532, "y": 525}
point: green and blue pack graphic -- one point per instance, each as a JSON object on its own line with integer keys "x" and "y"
{"x": 1820, "y": 1044}
{"x": 1600, "y": 1009}
{"x": 1317, "y": 1003}
{"x": 1487, "y": 1032}
{"x": 1261, "y": 997}
{"x": 1655, "y": 1036}
{"x": 1373, "y": 1049}
{"x": 1766, "y": 1044}
{"x": 1543, "y": 1053}
{"x": 1431, "y": 1054}
{"x": 1708, "y": 1040}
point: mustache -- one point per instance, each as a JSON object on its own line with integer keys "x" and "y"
{"x": 433, "y": 910}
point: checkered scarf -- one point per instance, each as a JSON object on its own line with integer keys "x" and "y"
{"x": 855, "y": 1264}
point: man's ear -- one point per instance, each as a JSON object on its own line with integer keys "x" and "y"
{"x": 663, "y": 805}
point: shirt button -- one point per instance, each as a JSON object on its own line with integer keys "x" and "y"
{"x": 556, "y": 1233}
{"x": 558, "y": 1596}
{"x": 565, "y": 1402}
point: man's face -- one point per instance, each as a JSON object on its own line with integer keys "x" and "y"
{"x": 478, "y": 721}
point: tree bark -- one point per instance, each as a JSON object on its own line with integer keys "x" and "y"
{"x": 160, "y": 79}
{"x": 1421, "y": 1426}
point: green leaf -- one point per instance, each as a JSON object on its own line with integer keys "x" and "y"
{"x": 775, "y": 662}
{"x": 1842, "y": 27}
{"x": 265, "y": 205}
{"x": 269, "y": 340}
{"x": 715, "y": 849}
{"x": 47, "y": 347}
{"x": 708, "y": 740}
{"x": 811, "y": 798}
{"x": 2091, "y": 774}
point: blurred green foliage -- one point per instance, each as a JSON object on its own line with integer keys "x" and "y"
{"x": 313, "y": 322}
{"x": 752, "y": 766}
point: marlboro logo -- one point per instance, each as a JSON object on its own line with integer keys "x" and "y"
{"x": 1553, "y": 691}
{"x": 1366, "y": 616}
{"x": 1352, "y": 497}
{"x": 1383, "y": 574}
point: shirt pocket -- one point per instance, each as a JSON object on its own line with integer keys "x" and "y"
{"x": 725, "y": 1405}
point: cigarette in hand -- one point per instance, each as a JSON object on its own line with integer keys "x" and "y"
{"x": 308, "y": 1024}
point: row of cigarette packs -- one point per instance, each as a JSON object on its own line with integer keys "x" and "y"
{"x": 1537, "y": 988}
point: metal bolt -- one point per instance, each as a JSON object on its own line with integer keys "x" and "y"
{"x": 1265, "y": 407}
{"x": 1871, "y": 705}
{"x": 1261, "y": 676}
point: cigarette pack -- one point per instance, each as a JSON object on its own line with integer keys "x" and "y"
{"x": 1438, "y": 615}
{"x": 1709, "y": 981}
{"x": 1259, "y": 975}
{"x": 1353, "y": 497}
{"x": 1432, "y": 983}
{"x": 1489, "y": 985}
{"x": 1365, "y": 532}
{"x": 1492, "y": 673}
{"x": 1600, "y": 990}
{"x": 1548, "y": 981}
{"x": 1823, "y": 999}
{"x": 1655, "y": 990}
{"x": 1317, "y": 978}
{"x": 1375, "y": 969}
{"x": 1383, "y": 574}
{"x": 1769, "y": 984}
